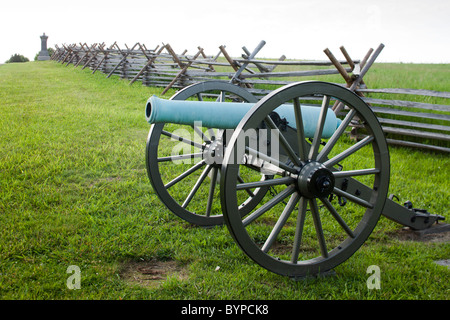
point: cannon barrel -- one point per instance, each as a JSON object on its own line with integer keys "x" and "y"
{"x": 227, "y": 115}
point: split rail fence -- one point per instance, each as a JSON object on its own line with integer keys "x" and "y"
{"x": 405, "y": 122}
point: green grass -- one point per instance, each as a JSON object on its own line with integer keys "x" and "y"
{"x": 74, "y": 191}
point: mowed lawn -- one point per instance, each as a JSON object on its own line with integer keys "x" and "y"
{"x": 74, "y": 191}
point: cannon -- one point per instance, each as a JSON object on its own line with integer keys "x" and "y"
{"x": 296, "y": 192}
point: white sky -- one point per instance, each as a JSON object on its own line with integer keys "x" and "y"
{"x": 412, "y": 30}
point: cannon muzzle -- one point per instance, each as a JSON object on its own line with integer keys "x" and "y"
{"x": 227, "y": 115}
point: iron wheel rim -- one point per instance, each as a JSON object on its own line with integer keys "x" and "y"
{"x": 364, "y": 228}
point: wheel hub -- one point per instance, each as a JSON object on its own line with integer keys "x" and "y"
{"x": 315, "y": 180}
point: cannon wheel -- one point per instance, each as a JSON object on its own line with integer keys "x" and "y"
{"x": 315, "y": 221}
{"x": 171, "y": 181}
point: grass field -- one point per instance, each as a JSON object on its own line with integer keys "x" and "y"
{"x": 74, "y": 192}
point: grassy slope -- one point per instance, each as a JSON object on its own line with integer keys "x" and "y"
{"x": 74, "y": 191}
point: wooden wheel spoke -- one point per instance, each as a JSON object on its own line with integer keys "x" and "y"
{"x": 185, "y": 140}
{"x": 302, "y": 205}
{"x": 212, "y": 187}
{"x": 201, "y": 134}
{"x": 337, "y": 217}
{"x": 319, "y": 128}
{"x": 300, "y": 132}
{"x": 271, "y": 160}
{"x": 336, "y": 135}
{"x": 352, "y": 198}
{"x": 348, "y": 152}
{"x": 352, "y": 173}
{"x": 250, "y": 193}
{"x": 284, "y": 143}
{"x": 269, "y": 205}
{"x": 185, "y": 174}
{"x": 181, "y": 157}
{"x": 281, "y": 222}
{"x": 265, "y": 183}
{"x": 196, "y": 186}
{"x": 318, "y": 226}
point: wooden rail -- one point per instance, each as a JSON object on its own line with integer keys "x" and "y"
{"x": 410, "y": 123}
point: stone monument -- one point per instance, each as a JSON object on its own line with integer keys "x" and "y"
{"x": 43, "y": 54}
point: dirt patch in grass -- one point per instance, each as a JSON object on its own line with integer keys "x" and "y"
{"x": 434, "y": 234}
{"x": 152, "y": 273}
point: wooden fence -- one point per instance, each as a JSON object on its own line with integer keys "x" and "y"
{"x": 405, "y": 122}
{"x": 163, "y": 67}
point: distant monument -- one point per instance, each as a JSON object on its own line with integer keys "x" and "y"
{"x": 43, "y": 54}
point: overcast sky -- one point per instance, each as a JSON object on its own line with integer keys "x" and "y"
{"x": 411, "y": 30}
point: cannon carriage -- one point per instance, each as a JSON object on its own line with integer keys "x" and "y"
{"x": 298, "y": 195}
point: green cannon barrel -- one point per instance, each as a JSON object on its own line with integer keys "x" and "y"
{"x": 227, "y": 115}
